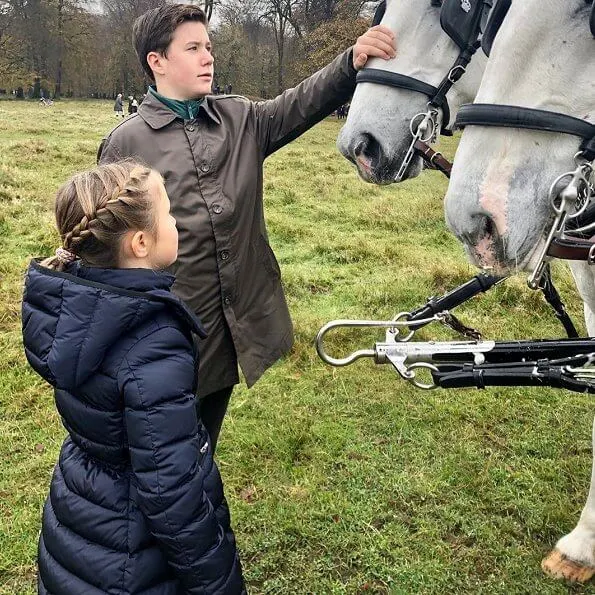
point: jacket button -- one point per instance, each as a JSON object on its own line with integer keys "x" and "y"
{"x": 204, "y": 167}
{"x": 224, "y": 254}
{"x": 227, "y": 300}
{"x": 190, "y": 128}
{"x": 217, "y": 209}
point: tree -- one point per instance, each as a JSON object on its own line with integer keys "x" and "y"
{"x": 328, "y": 40}
{"x": 280, "y": 15}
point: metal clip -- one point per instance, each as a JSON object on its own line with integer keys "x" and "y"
{"x": 406, "y": 358}
{"x": 425, "y": 131}
{"x": 456, "y": 73}
{"x": 574, "y": 198}
{"x": 392, "y": 335}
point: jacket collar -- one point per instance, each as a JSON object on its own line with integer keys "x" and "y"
{"x": 130, "y": 279}
{"x": 186, "y": 110}
{"x": 157, "y": 115}
{"x": 129, "y": 282}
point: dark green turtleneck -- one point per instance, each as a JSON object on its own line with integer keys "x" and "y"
{"x": 187, "y": 110}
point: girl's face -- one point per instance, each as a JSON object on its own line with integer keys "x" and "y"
{"x": 164, "y": 248}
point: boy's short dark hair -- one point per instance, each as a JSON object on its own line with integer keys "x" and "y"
{"x": 154, "y": 30}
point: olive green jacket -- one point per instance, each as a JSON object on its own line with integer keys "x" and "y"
{"x": 213, "y": 171}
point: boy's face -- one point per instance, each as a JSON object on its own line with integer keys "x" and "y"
{"x": 187, "y": 71}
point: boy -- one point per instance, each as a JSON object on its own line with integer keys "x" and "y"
{"x": 210, "y": 151}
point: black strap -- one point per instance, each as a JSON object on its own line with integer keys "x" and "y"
{"x": 555, "y": 301}
{"x": 402, "y": 81}
{"x": 456, "y": 297}
{"x": 456, "y": 72}
{"x": 380, "y": 10}
{"x": 510, "y": 116}
{"x": 497, "y": 15}
{"x": 525, "y": 374}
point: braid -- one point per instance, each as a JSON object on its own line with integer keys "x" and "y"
{"x": 79, "y": 233}
{"x": 84, "y": 229}
{"x": 95, "y": 209}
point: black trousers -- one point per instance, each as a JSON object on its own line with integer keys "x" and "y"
{"x": 211, "y": 410}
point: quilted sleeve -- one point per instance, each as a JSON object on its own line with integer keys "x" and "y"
{"x": 171, "y": 463}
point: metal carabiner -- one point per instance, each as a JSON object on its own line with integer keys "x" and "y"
{"x": 400, "y": 321}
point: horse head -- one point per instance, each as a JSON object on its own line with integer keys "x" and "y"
{"x": 378, "y": 130}
{"x": 502, "y": 191}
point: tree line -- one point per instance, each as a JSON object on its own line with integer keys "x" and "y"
{"x": 83, "y": 48}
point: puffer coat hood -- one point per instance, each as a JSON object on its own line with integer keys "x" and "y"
{"x": 136, "y": 502}
{"x": 67, "y": 339}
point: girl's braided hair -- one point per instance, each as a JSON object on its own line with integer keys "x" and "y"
{"x": 96, "y": 208}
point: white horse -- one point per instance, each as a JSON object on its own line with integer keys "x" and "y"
{"x": 376, "y": 135}
{"x": 498, "y": 200}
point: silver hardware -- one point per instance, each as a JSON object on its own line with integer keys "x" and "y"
{"x": 417, "y": 383}
{"x": 466, "y": 5}
{"x": 404, "y": 355}
{"x": 392, "y": 335}
{"x": 452, "y": 73}
{"x": 568, "y": 203}
{"x": 423, "y": 127}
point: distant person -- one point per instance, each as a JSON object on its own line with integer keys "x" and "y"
{"x": 136, "y": 501}
{"x": 132, "y": 105}
{"x": 118, "y": 106}
{"x": 228, "y": 89}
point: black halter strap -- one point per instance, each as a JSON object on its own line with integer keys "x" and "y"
{"x": 436, "y": 95}
{"x": 402, "y": 81}
{"x": 509, "y": 116}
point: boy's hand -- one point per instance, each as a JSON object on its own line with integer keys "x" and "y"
{"x": 379, "y": 41}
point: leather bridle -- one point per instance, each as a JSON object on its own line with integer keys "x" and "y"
{"x": 425, "y": 126}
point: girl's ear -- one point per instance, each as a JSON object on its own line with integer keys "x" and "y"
{"x": 137, "y": 244}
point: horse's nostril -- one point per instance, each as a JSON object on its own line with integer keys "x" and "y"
{"x": 364, "y": 142}
{"x": 488, "y": 227}
{"x": 368, "y": 147}
{"x": 482, "y": 228}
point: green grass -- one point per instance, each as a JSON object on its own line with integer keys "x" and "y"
{"x": 339, "y": 480}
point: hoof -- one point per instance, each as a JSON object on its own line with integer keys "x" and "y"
{"x": 559, "y": 566}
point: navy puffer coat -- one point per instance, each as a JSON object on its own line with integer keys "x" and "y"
{"x": 136, "y": 502}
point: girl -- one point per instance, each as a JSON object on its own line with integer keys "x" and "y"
{"x": 136, "y": 502}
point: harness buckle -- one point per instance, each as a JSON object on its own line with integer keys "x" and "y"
{"x": 436, "y": 155}
{"x": 456, "y": 73}
{"x": 591, "y": 255}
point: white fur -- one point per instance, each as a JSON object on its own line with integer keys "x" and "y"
{"x": 543, "y": 57}
{"x": 424, "y": 51}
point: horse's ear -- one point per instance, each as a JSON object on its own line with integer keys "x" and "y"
{"x": 497, "y": 14}
{"x": 380, "y": 10}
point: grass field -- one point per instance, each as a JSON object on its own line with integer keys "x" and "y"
{"x": 339, "y": 480}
